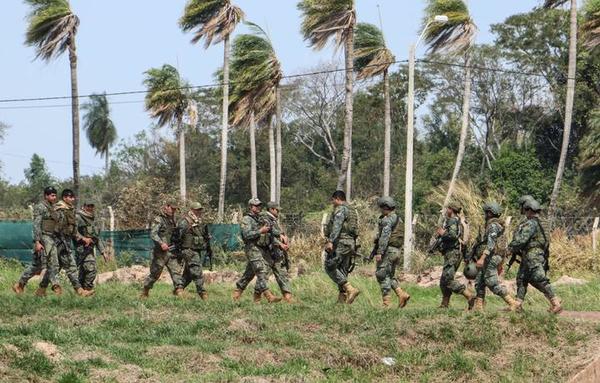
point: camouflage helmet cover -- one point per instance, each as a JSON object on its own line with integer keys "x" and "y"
{"x": 273, "y": 205}
{"x": 387, "y": 202}
{"x": 532, "y": 205}
{"x": 254, "y": 202}
{"x": 196, "y": 206}
{"x": 493, "y": 207}
{"x": 525, "y": 198}
{"x": 470, "y": 271}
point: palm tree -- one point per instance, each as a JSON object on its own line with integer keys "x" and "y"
{"x": 214, "y": 21}
{"x": 100, "y": 129}
{"x": 323, "y": 20}
{"x": 372, "y": 58}
{"x": 591, "y": 23}
{"x": 255, "y": 73}
{"x": 570, "y": 97}
{"x": 169, "y": 100}
{"x": 455, "y": 37}
{"x": 52, "y": 29}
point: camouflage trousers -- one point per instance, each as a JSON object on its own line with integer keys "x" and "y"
{"x": 38, "y": 263}
{"x": 59, "y": 257}
{"x": 86, "y": 263}
{"x": 192, "y": 260}
{"x": 448, "y": 284}
{"x": 488, "y": 277}
{"x": 274, "y": 261}
{"x": 337, "y": 264}
{"x": 160, "y": 260}
{"x": 255, "y": 267}
{"x": 532, "y": 272}
{"x": 386, "y": 270}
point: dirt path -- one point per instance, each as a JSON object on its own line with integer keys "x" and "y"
{"x": 586, "y": 315}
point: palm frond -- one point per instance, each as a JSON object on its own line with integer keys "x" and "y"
{"x": 326, "y": 19}
{"x": 168, "y": 95}
{"x": 554, "y": 3}
{"x": 211, "y": 20}
{"x": 455, "y": 36}
{"x": 371, "y": 55}
{"x": 591, "y": 24}
{"x": 52, "y": 27}
{"x": 100, "y": 129}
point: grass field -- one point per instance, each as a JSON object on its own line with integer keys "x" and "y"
{"x": 115, "y": 337}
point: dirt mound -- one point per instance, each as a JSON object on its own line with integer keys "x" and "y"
{"x": 566, "y": 280}
{"x": 49, "y": 350}
{"x": 137, "y": 274}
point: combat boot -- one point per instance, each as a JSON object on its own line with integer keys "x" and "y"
{"x": 83, "y": 293}
{"x": 478, "y": 306}
{"x": 351, "y": 293}
{"x": 18, "y": 288}
{"x": 57, "y": 290}
{"x": 145, "y": 293}
{"x": 470, "y": 297}
{"x": 341, "y": 297}
{"x": 445, "y": 302}
{"x": 519, "y": 305}
{"x": 257, "y": 297}
{"x": 387, "y": 301}
{"x": 203, "y": 295}
{"x": 271, "y": 298}
{"x": 237, "y": 294}
{"x": 513, "y": 305}
{"x": 287, "y": 298}
{"x": 403, "y": 297}
{"x": 555, "y": 305}
{"x": 40, "y": 292}
{"x": 178, "y": 292}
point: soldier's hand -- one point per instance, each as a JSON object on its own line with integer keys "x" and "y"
{"x": 329, "y": 247}
{"x": 164, "y": 246}
{"x": 38, "y": 247}
{"x": 87, "y": 241}
{"x": 265, "y": 229}
{"x": 479, "y": 264}
{"x": 440, "y": 231}
{"x": 378, "y": 258}
{"x": 284, "y": 247}
{"x": 284, "y": 239}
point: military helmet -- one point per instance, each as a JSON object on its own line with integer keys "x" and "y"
{"x": 525, "y": 198}
{"x": 171, "y": 202}
{"x": 454, "y": 205}
{"x": 470, "y": 271}
{"x": 493, "y": 207}
{"x": 273, "y": 205}
{"x": 386, "y": 202}
{"x": 254, "y": 202}
{"x": 196, "y": 206}
{"x": 532, "y": 205}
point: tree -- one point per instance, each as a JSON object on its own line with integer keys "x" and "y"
{"x": 214, "y": 21}
{"x": 169, "y": 100}
{"x": 456, "y": 37}
{"x": 52, "y": 30}
{"x": 591, "y": 24}
{"x": 100, "y": 129}
{"x": 570, "y": 97}
{"x": 373, "y": 58}
{"x": 255, "y": 74}
{"x": 37, "y": 176}
{"x": 323, "y": 20}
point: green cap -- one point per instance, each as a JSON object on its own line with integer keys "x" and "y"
{"x": 493, "y": 207}
{"x": 196, "y": 206}
{"x": 254, "y": 202}
{"x": 454, "y": 205}
{"x": 386, "y": 202}
{"x": 273, "y": 205}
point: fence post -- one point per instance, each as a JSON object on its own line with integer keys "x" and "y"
{"x": 595, "y": 235}
{"x": 507, "y": 222}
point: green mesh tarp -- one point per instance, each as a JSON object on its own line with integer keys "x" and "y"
{"x": 16, "y": 242}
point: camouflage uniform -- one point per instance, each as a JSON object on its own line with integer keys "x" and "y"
{"x": 85, "y": 257}
{"x": 255, "y": 255}
{"x": 44, "y": 221}
{"x": 450, "y": 248}
{"x": 341, "y": 231}
{"x": 161, "y": 232}
{"x": 274, "y": 255}
{"x": 391, "y": 255}
{"x": 529, "y": 240}
{"x": 488, "y": 276}
{"x": 194, "y": 245}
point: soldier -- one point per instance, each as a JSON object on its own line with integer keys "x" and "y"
{"x": 277, "y": 243}
{"x": 194, "y": 240}
{"x": 161, "y": 234}
{"x": 255, "y": 255}
{"x": 449, "y": 237}
{"x": 531, "y": 242}
{"x": 341, "y": 233}
{"x": 490, "y": 262}
{"x": 387, "y": 252}
{"x": 65, "y": 231}
{"x": 43, "y": 243}
{"x": 85, "y": 257}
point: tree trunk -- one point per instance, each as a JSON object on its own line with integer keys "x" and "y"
{"x": 74, "y": 114}
{"x": 568, "y": 107}
{"x": 278, "y": 146}
{"x": 272, "y": 160}
{"x": 408, "y": 183}
{"x": 253, "y": 183}
{"x": 106, "y": 163}
{"x": 387, "y": 145}
{"x": 345, "y": 176}
{"x": 464, "y": 130}
{"x": 182, "y": 183}
{"x": 224, "y": 131}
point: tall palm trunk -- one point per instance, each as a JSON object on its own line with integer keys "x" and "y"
{"x": 345, "y": 176}
{"x": 568, "y": 106}
{"x": 272, "y": 160}
{"x": 387, "y": 145}
{"x": 224, "y": 130}
{"x": 463, "y": 131}
{"x": 278, "y": 145}
{"x": 182, "y": 177}
{"x": 253, "y": 183}
{"x": 74, "y": 113}
{"x": 106, "y": 163}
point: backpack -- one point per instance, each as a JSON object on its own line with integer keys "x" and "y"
{"x": 397, "y": 235}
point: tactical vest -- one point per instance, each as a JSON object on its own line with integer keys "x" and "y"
{"x": 397, "y": 235}
{"x": 537, "y": 241}
{"x": 88, "y": 229}
{"x": 68, "y": 222}
{"x": 193, "y": 237}
{"x": 49, "y": 219}
{"x": 167, "y": 228}
{"x": 265, "y": 240}
{"x": 350, "y": 225}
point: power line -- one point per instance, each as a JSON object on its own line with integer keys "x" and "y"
{"x": 49, "y": 161}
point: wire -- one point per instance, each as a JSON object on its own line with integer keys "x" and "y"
{"x": 50, "y": 161}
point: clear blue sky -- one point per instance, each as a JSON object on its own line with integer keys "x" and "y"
{"x": 119, "y": 39}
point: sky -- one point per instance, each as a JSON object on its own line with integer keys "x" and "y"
{"x": 119, "y": 40}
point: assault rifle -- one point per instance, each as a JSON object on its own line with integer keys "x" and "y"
{"x": 373, "y": 253}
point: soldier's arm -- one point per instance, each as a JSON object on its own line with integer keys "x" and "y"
{"x": 451, "y": 233}
{"x": 493, "y": 235}
{"x": 156, "y": 225}
{"x": 522, "y": 236}
{"x": 37, "y": 223}
{"x": 336, "y": 228}
{"x": 384, "y": 235}
{"x": 249, "y": 231}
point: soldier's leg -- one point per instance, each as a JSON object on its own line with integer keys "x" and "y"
{"x": 539, "y": 280}
{"x": 32, "y": 270}
{"x": 448, "y": 273}
{"x": 492, "y": 278}
{"x": 157, "y": 264}
{"x": 67, "y": 263}
{"x": 337, "y": 265}
{"x": 281, "y": 275}
{"x": 260, "y": 270}
{"x": 176, "y": 266}
{"x": 52, "y": 264}
{"x": 522, "y": 280}
{"x": 480, "y": 283}
{"x": 89, "y": 269}
{"x": 247, "y": 276}
{"x": 194, "y": 267}
{"x": 383, "y": 274}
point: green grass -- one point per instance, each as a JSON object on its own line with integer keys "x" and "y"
{"x": 115, "y": 337}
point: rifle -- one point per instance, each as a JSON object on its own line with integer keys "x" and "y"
{"x": 209, "y": 256}
{"x": 513, "y": 259}
{"x": 373, "y": 253}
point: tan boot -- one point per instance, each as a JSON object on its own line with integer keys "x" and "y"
{"x": 445, "y": 302}
{"x": 57, "y": 290}
{"x": 257, "y": 297}
{"x": 287, "y": 298}
{"x": 145, "y": 293}
{"x": 555, "y": 305}
{"x": 387, "y": 301}
{"x": 271, "y": 298}
{"x": 513, "y": 305}
{"x": 237, "y": 294}
{"x": 470, "y": 297}
{"x": 83, "y": 293}
{"x": 18, "y": 288}
{"x": 178, "y": 292}
{"x": 403, "y": 297}
{"x": 341, "y": 297}
{"x": 203, "y": 295}
{"x": 40, "y": 292}
{"x": 519, "y": 305}
{"x": 351, "y": 293}
{"x": 478, "y": 306}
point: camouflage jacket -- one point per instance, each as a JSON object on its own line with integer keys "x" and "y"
{"x": 87, "y": 228}
{"x": 339, "y": 225}
{"x": 162, "y": 229}
{"x": 66, "y": 221}
{"x": 387, "y": 224}
{"x": 528, "y": 238}
{"x": 493, "y": 232}
{"x": 250, "y": 229}
{"x": 193, "y": 232}
{"x": 43, "y": 218}
{"x": 450, "y": 239}
{"x": 274, "y": 236}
